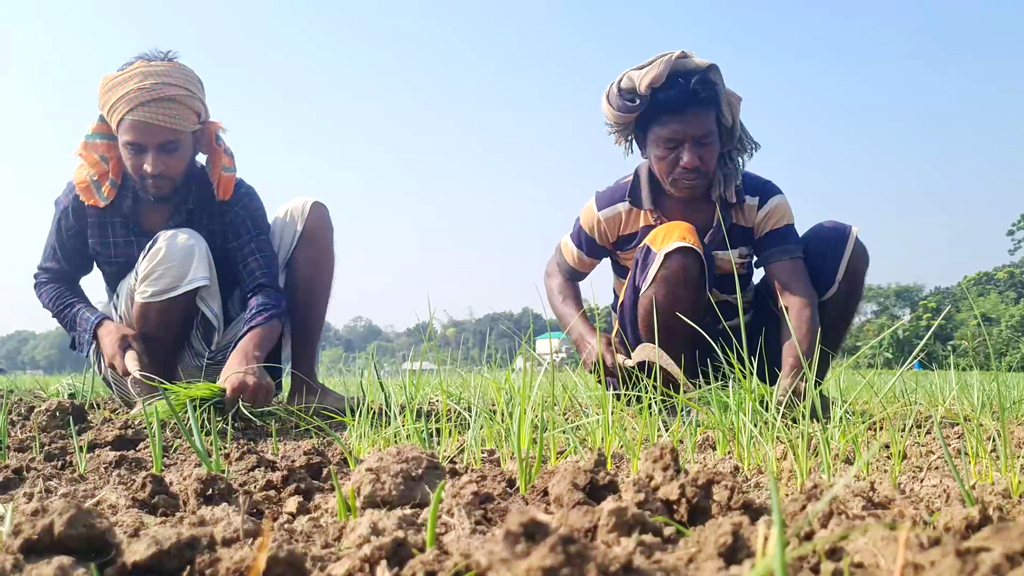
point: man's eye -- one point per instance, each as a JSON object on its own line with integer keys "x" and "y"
{"x": 136, "y": 150}
{"x": 169, "y": 148}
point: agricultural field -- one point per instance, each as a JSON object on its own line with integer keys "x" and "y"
{"x": 531, "y": 472}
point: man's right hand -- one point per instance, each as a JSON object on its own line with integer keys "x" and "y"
{"x": 598, "y": 352}
{"x": 114, "y": 340}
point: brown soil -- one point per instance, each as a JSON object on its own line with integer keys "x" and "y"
{"x": 584, "y": 516}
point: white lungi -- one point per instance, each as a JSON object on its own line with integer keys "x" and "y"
{"x": 179, "y": 260}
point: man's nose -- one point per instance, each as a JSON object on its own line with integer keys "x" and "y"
{"x": 153, "y": 166}
{"x": 689, "y": 161}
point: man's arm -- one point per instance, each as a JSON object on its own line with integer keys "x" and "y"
{"x": 66, "y": 260}
{"x": 566, "y": 302}
{"x": 256, "y": 261}
{"x": 798, "y": 305}
{"x": 779, "y": 250}
{"x": 577, "y": 255}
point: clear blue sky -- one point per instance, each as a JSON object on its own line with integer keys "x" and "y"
{"x": 456, "y": 143}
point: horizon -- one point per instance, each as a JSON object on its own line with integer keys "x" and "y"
{"x": 481, "y": 125}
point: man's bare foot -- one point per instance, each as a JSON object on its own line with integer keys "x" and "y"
{"x": 316, "y": 396}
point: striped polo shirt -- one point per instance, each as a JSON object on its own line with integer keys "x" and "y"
{"x": 615, "y": 222}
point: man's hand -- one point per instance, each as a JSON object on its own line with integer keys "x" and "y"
{"x": 596, "y": 349}
{"x": 799, "y": 327}
{"x": 598, "y": 353}
{"x": 244, "y": 379}
{"x": 114, "y": 340}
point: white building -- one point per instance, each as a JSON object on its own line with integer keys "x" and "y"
{"x": 552, "y": 346}
{"x": 418, "y": 367}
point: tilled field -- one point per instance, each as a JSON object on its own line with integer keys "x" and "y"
{"x": 275, "y": 512}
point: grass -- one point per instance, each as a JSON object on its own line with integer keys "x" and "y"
{"x": 195, "y": 433}
{"x": 156, "y": 438}
{"x": 965, "y": 491}
{"x": 345, "y": 505}
{"x": 435, "y": 508}
{"x": 5, "y": 433}
{"x": 537, "y": 417}
{"x": 79, "y": 448}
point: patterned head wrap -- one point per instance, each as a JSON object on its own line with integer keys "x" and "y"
{"x": 629, "y": 94}
{"x": 167, "y": 94}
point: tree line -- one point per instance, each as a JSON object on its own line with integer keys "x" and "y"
{"x": 977, "y": 323}
{"x": 983, "y": 328}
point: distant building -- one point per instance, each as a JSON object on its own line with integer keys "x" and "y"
{"x": 418, "y": 367}
{"x": 552, "y": 346}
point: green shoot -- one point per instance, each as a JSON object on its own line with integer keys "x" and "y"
{"x": 778, "y": 526}
{"x": 353, "y": 506}
{"x": 340, "y": 502}
{"x": 965, "y": 491}
{"x": 193, "y": 432}
{"x": 81, "y": 449}
{"x": 682, "y": 530}
{"x": 435, "y": 507}
{"x": 37, "y": 444}
{"x": 5, "y": 407}
{"x": 156, "y": 439}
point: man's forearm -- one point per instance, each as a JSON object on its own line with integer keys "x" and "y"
{"x": 71, "y": 308}
{"x": 799, "y": 348}
{"x": 259, "y": 341}
{"x": 566, "y": 302}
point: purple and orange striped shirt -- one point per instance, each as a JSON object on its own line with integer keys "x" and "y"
{"x": 614, "y": 223}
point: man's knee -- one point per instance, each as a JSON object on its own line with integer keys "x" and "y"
{"x": 319, "y": 219}
{"x": 829, "y": 235}
{"x": 833, "y": 235}
{"x": 678, "y": 284}
{"x": 177, "y": 244}
{"x": 859, "y": 260}
{"x": 301, "y": 213}
{"x": 176, "y": 261}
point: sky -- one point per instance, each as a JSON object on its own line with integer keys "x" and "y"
{"x": 456, "y": 142}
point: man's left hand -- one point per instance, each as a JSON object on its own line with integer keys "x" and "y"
{"x": 244, "y": 379}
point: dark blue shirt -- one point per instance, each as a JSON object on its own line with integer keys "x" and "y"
{"x": 111, "y": 239}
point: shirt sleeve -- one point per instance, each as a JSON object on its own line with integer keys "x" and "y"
{"x": 254, "y": 257}
{"x": 583, "y": 248}
{"x": 775, "y": 235}
{"x": 66, "y": 260}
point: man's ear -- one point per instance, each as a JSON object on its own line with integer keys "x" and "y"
{"x": 641, "y": 144}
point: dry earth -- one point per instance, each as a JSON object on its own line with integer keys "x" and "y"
{"x": 580, "y": 517}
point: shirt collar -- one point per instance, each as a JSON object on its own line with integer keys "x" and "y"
{"x": 643, "y": 186}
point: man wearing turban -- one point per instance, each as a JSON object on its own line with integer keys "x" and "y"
{"x": 202, "y": 287}
{"x": 684, "y": 233}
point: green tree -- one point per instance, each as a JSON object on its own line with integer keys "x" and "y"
{"x": 51, "y": 352}
{"x": 48, "y": 352}
{"x": 1016, "y": 235}
{"x": 358, "y": 334}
